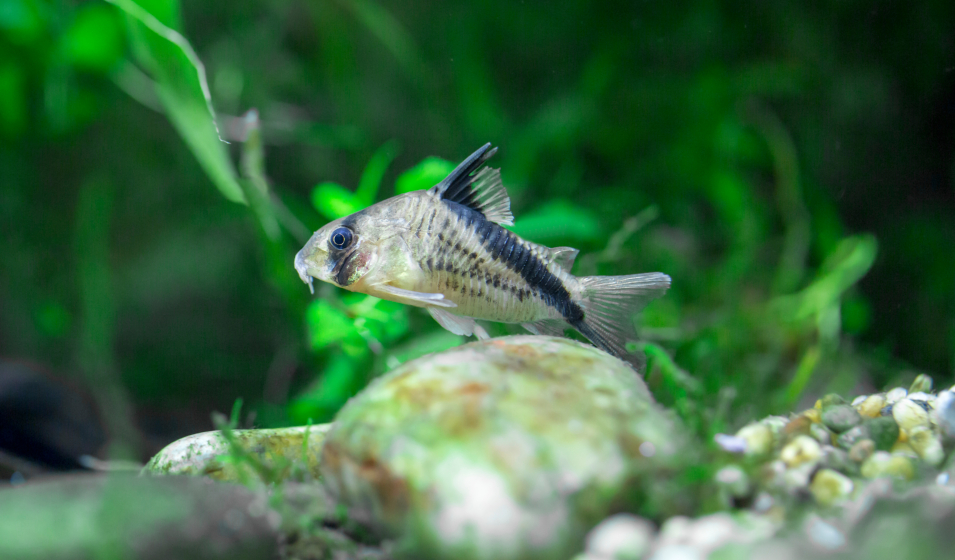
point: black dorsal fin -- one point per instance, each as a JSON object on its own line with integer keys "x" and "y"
{"x": 477, "y": 188}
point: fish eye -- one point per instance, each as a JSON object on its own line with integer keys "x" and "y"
{"x": 340, "y": 238}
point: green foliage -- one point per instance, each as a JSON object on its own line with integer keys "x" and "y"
{"x": 745, "y": 150}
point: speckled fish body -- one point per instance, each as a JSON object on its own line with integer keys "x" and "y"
{"x": 445, "y": 249}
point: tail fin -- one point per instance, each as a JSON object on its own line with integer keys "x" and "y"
{"x": 609, "y": 304}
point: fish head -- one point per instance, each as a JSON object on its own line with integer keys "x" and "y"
{"x": 343, "y": 252}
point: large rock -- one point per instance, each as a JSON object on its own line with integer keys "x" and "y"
{"x": 506, "y": 448}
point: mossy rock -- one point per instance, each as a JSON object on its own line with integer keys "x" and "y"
{"x": 505, "y": 448}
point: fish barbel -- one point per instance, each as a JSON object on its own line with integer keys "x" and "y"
{"x": 444, "y": 249}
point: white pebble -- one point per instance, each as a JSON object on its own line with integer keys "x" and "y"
{"x": 824, "y": 535}
{"x": 944, "y": 413}
{"x": 858, "y": 400}
{"x": 895, "y": 395}
{"x": 621, "y": 537}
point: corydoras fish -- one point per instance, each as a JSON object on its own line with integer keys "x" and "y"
{"x": 444, "y": 249}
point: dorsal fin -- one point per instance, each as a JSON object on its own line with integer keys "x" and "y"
{"x": 563, "y": 256}
{"x": 477, "y": 188}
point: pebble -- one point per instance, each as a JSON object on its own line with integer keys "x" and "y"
{"x": 895, "y": 395}
{"x": 944, "y": 413}
{"x": 758, "y": 437}
{"x": 840, "y": 418}
{"x": 621, "y": 537}
{"x": 883, "y": 431}
{"x": 859, "y": 400}
{"x": 922, "y": 384}
{"x": 927, "y": 445}
{"x": 733, "y": 480}
{"x": 882, "y": 463}
{"x": 853, "y": 436}
{"x": 832, "y": 399}
{"x": 800, "y": 451}
{"x": 838, "y": 460}
{"x": 903, "y": 448}
{"x": 862, "y": 450}
{"x": 824, "y": 535}
{"x": 797, "y": 426}
{"x": 819, "y": 433}
{"x": 871, "y": 406}
{"x": 908, "y": 414}
{"x": 829, "y": 487}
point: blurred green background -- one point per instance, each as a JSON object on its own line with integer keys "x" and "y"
{"x": 790, "y": 165}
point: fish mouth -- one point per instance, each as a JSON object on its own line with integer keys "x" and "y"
{"x": 302, "y": 268}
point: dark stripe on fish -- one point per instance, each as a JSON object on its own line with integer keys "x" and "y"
{"x": 342, "y": 270}
{"x": 503, "y": 246}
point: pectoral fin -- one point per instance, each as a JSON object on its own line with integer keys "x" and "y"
{"x": 420, "y": 298}
{"x": 463, "y": 326}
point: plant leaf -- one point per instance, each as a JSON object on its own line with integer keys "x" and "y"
{"x": 183, "y": 90}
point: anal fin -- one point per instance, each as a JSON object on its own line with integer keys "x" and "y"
{"x": 546, "y": 327}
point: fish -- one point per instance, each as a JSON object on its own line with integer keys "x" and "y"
{"x": 446, "y": 249}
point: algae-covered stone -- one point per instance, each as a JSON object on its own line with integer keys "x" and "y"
{"x": 98, "y": 516}
{"x": 840, "y": 418}
{"x": 922, "y": 384}
{"x": 280, "y": 448}
{"x": 503, "y": 448}
{"x": 852, "y": 436}
{"x": 883, "y": 431}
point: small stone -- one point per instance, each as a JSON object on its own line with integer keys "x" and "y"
{"x": 924, "y": 441}
{"x": 853, "y": 436}
{"x": 731, "y": 444}
{"x": 859, "y": 400}
{"x": 883, "y": 431}
{"x": 840, "y": 418}
{"x": 824, "y": 534}
{"x": 895, "y": 395}
{"x": 922, "y": 384}
{"x": 829, "y": 487}
{"x": 622, "y": 537}
{"x": 903, "y": 448}
{"x": 733, "y": 480}
{"x": 758, "y": 437}
{"x": 944, "y": 413}
{"x": 798, "y": 426}
{"x": 819, "y": 433}
{"x": 881, "y": 463}
{"x": 862, "y": 450}
{"x": 813, "y": 415}
{"x": 800, "y": 451}
{"x": 832, "y": 399}
{"x": 872, "y": 406}
{"x": 837, "y": 460}
{"x": 909, "y": 414}
{"x": 796, "y": 479}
